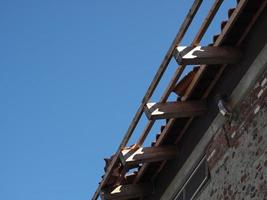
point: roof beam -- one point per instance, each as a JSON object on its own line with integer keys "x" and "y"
{"x": 131, "y": 158}
{"x": 190, "y": 55}
{"x": 127, "y": 191}
{"x": 178, "y": 109}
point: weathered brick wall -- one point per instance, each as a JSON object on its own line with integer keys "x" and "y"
{"x": 237, "y": 154}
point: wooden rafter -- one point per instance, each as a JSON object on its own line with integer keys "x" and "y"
{"x": 180, "y": 109}
{"x": 127, "y": 191}
{"x": 130, "y": 158}
{"x": 191, "y": 55}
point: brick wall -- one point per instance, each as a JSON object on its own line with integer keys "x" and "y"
{"x": 237, "y": 154}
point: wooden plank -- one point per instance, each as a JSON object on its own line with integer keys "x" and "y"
{"x": 204, "y": 26}
{"x": 143, "y": 155}
{"x": 127, "y": 191}
{"x": 181, "y": 87}
{"x": 178, "y": 109}
{"x": 190, "y": 55}
{"x": 194, "y": 82}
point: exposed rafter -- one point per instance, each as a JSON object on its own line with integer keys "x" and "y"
{"x": 190, "y": 55}
{"x": 127, "y": 191}
{"x": 180, "y": 109}
{"x": 131, "y": 158}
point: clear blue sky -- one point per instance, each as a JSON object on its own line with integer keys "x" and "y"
{"x": 72, "y": 75}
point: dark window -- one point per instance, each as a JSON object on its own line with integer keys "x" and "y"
{"x": 180, "y": 196}
{"x": 197, "y": 178}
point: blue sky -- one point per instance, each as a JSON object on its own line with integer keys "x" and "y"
{"x": 72, "y": 75}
